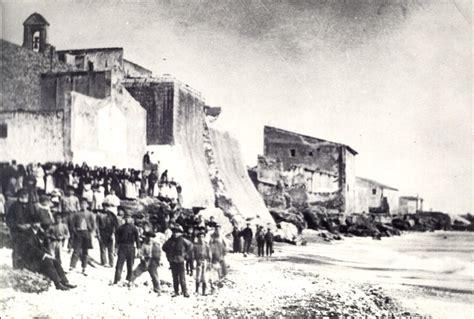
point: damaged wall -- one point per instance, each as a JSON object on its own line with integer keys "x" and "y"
{"x": 41, "y": 140}
{"x": 157, "y": 98}
{"x": 237, "y": 184}
{"x": 325, "y": 170}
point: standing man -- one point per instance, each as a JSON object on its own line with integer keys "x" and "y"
{"x": 269, "y": 242}
{"x": 218, "y": 250}
{"x": 126, "y": 238}
{"x": 237, "y": 244}
{"x": 18, "y": 218}
{"x": 83, "y": 225}
{"x": 260, "y": 238}
{"x": 176, "y": 249}
{"x": 202, "y": 256}
{"x": 107, "y": 224}
{"x": 149, "y": 254}
{"x": 152, "y": 179}
{"x": 69, "y": 206}
{"x": 247, "y": 234}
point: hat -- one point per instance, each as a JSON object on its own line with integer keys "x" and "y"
{"x": 177, "y": 228}
{"x": 149, "y": 234}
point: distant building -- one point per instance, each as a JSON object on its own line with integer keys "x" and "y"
{"x": 374, "y": 197}
{"x": 324, "y": 169}
{"x": 410, "y": 204}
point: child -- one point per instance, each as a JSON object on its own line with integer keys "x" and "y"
{"x": 57, "y": 234}
{"x": 202, "y": 256}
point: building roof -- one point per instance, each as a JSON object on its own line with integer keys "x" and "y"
{"x": 318, "y": 140}
{"x": 410, "y": 198}
{"x": 376, "y": 183}
{"x": 36, "y": 19}
{"x": 79, "y": 51}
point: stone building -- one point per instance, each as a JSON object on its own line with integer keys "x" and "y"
{"x": 93, "y": 105}
{"x": 410, "y": 205}
{"x": 43, "y": 101}
{"x": 375, "y": 198}
{"x": 315, "y": 170}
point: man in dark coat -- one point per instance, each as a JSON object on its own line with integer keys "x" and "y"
{"x": 107, "y": 224}
{"x": 19, "y": 217}
{"x": 269, "y": 242}
{"x": 126, "y": 238}
{"x": 177, "y": 248}
{"x": 237, "y": 243}
{"x": 260, "y": 238}
{"x": 36, "y": 258}
{"x": 247, "y": 235}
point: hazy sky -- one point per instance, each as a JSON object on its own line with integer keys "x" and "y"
{"x": 392, "y": 79}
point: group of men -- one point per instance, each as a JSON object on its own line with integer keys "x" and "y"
{"x": 38, "y": 237}
{"x": 264, "y": 240}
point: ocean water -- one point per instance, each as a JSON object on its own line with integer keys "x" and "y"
{"x": 438, "y": 260}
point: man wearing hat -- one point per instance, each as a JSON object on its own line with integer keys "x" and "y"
{"x": 269, "y": 242}
{"x": 202, "y": 256}
{"x": 82, "y": 226}
{"x": 176, "y": 249}
{"x": 126, "y": 238}
{"x": 19, "y": 216}
{"x": 36, "y": 258}
{"x": 69, "y": 206}
{"x": 247, "y": 234}
{"x": 149, "y": 254}
{"x": 107, "y": 224}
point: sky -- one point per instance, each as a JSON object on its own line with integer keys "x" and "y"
{"x": 390, "y": 78}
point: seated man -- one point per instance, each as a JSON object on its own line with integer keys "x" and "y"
{"x": 36, "y": 257}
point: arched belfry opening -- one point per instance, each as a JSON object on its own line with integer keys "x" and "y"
{"x": 35, "y": 33}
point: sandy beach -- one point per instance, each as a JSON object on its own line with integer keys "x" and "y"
{"x": 291, "y": 283}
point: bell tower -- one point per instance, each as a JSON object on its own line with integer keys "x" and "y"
{"x": 35, "y": 33}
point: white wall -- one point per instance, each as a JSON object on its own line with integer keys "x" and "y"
{"x": 32, "y": 137}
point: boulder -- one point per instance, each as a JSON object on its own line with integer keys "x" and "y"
{"x": 291, "y": 215}
{"x": 288, "y": 233}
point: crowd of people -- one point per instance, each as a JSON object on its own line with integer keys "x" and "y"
{"x": 46, "y": 218}
{"x": 92, "y": 183}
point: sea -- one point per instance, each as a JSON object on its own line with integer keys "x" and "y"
{"x": 440, "y": 260}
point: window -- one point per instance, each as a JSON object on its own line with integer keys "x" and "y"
{"x": 310, "y": 153}
{"x": 90, "y": 66}
{"x": 374, "y": 191}
{"x": 3, "y": 130}
{"x": 292, "y": 152}
{"x": 36, "y": 41}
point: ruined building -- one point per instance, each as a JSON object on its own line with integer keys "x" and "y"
{"x": 300, "y": 171}
{"x": 93, "y": 105}
{"x": 313, "y": 170}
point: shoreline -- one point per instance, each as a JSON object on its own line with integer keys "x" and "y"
{"x": 285, "y": 285}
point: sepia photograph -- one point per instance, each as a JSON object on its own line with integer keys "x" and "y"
{"x": 236, "y": 159}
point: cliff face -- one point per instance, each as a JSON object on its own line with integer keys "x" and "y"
{"x": 235, "y": 193}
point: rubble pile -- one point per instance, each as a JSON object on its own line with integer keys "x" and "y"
{"x": 23, "y": 280}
